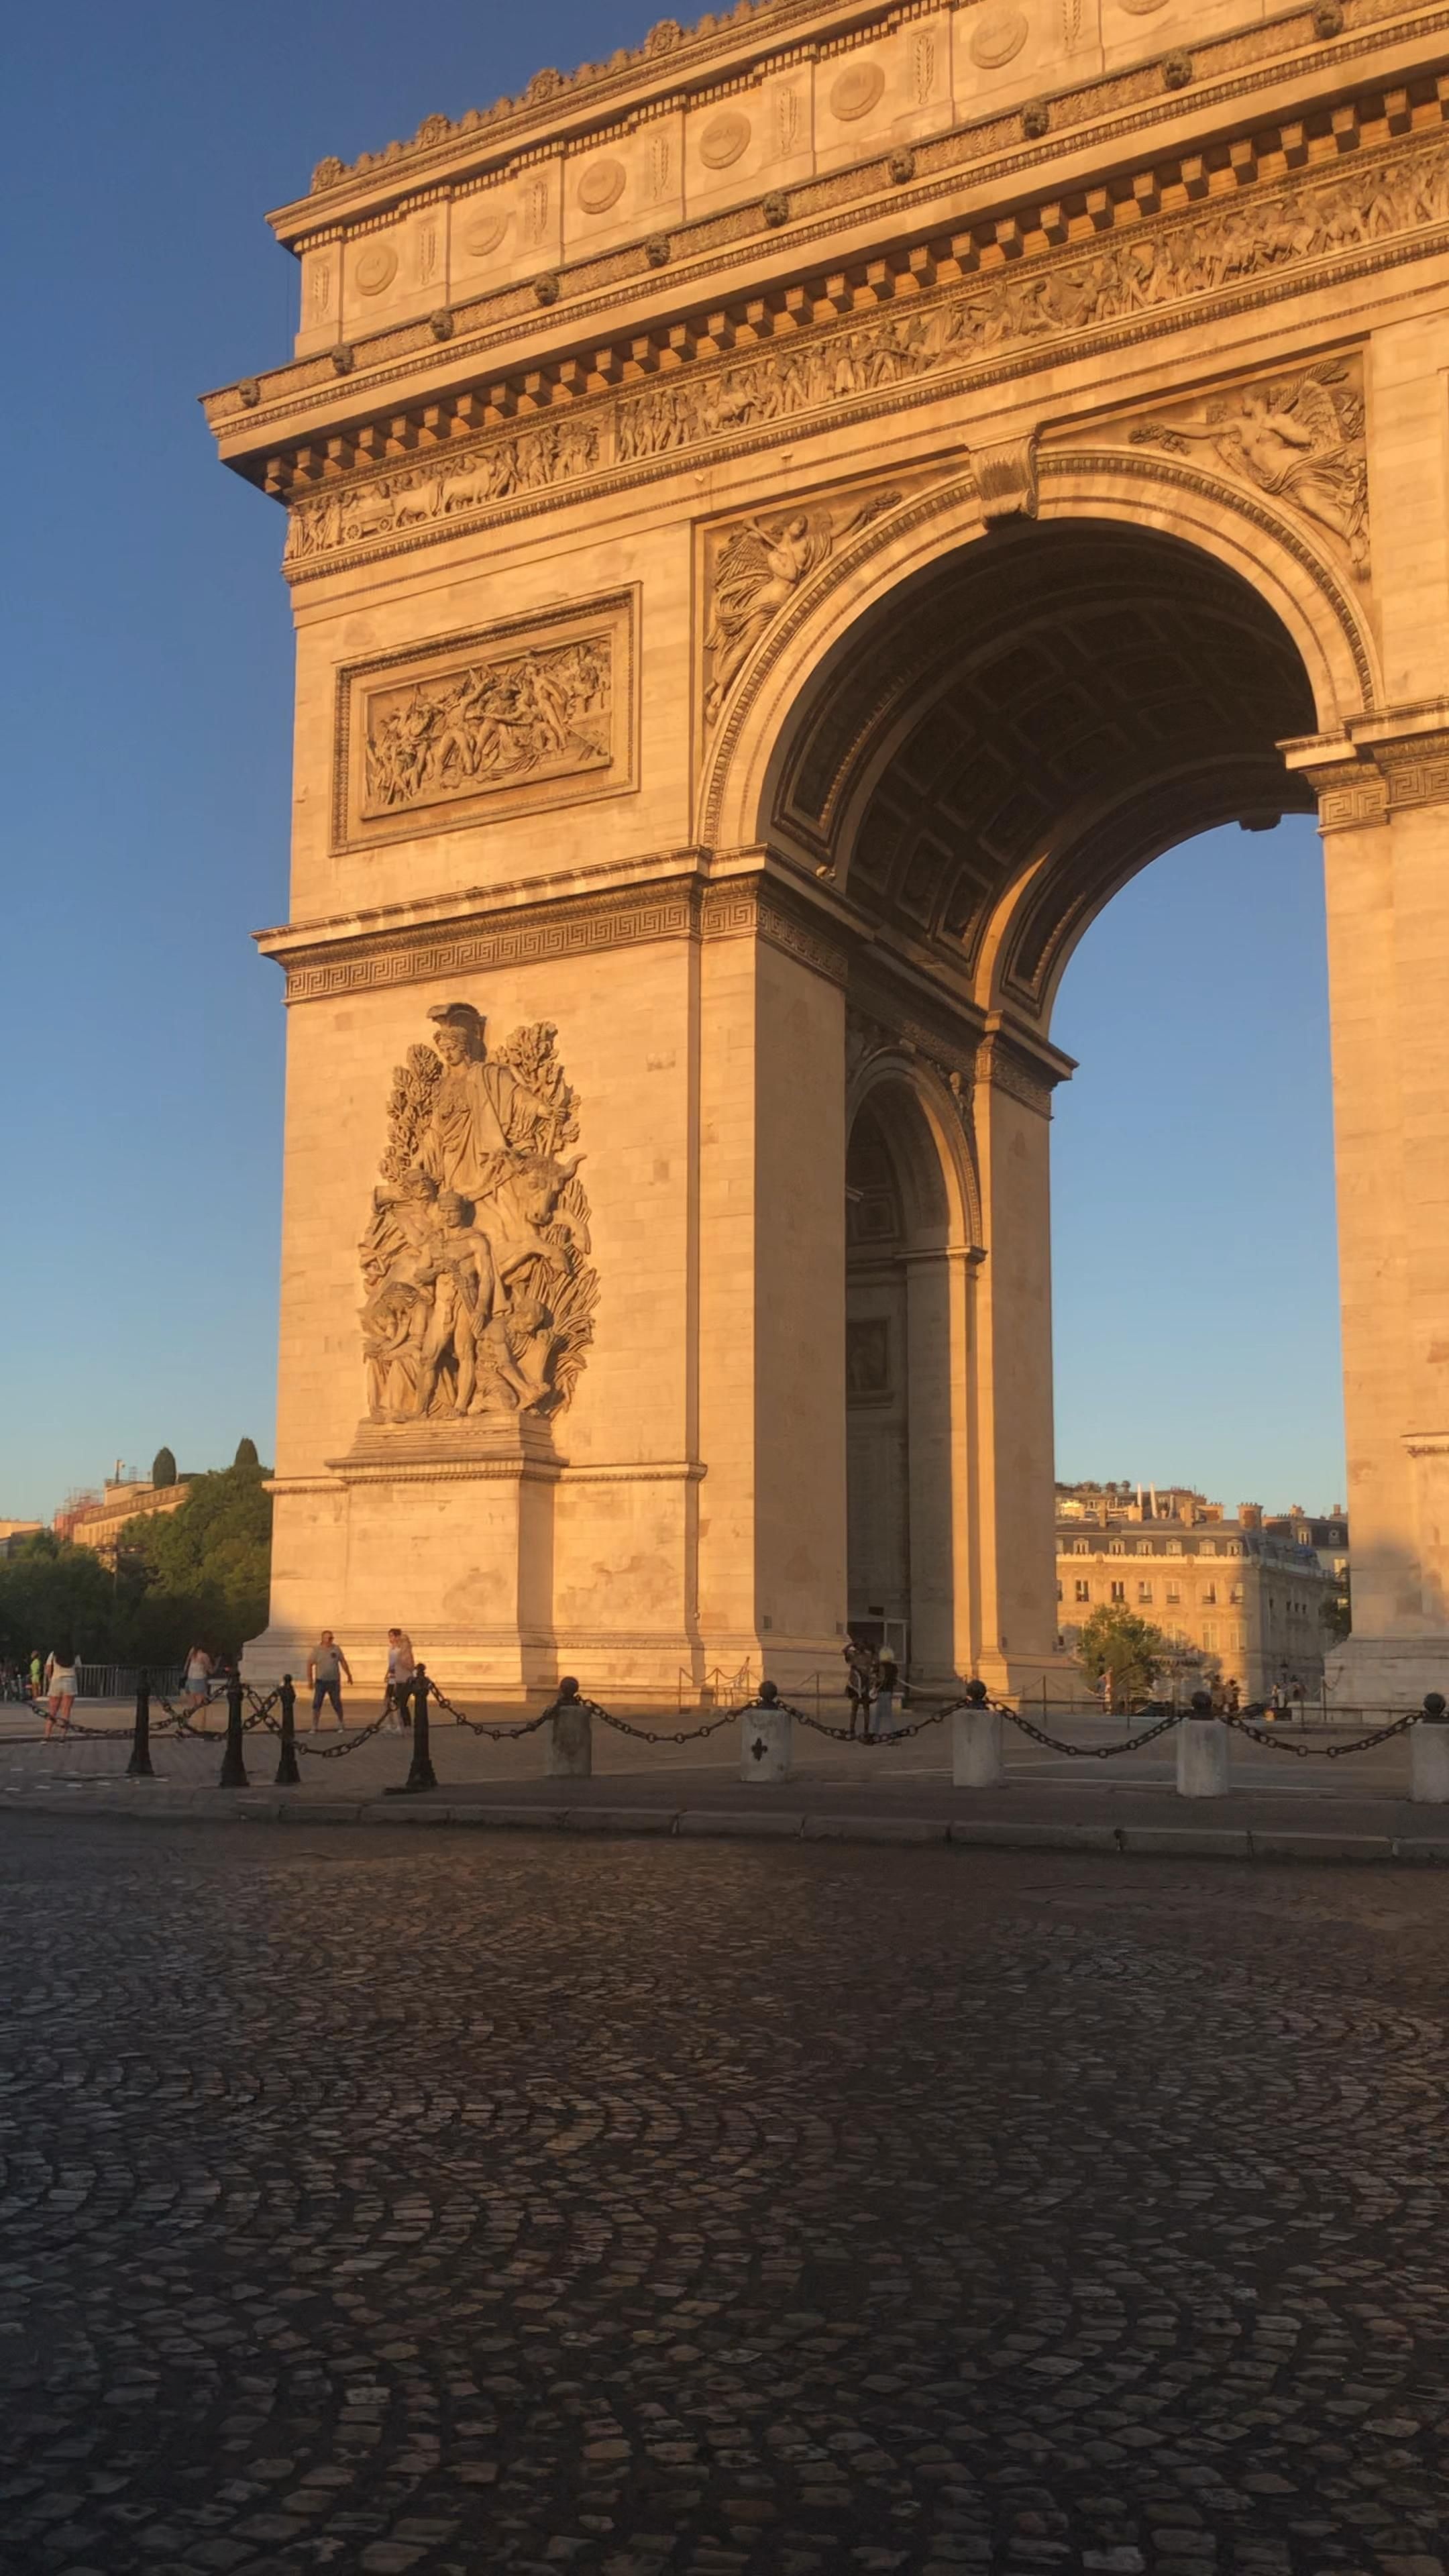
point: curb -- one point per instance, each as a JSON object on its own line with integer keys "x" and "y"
{"x": 141, "y": 1800}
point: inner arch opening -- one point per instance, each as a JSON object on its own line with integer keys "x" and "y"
{"x": 904, "y": 1381}
{"x": 1007, "y": 738}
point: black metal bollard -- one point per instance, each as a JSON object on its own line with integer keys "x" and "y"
{"x": 233, "y": 1763}
{"x": 288, "y": 1775}
{"x": 1436, "y": 1708}
{"x": 139, "y": 1766}
{"x": 421, "y": 1775}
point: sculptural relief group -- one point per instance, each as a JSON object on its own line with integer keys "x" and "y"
{"x": 503, "y": 718}
{"x": 479, "y": 1294}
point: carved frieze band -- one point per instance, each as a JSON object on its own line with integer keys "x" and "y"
{"x": 967, "y": 317}
{"x": 552, "y": 933}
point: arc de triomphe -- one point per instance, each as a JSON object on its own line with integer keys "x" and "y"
{"x": 782, "y": 525}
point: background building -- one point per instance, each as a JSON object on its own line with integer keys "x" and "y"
{"x": 97, "y": 1520}
{"x": 1244, "y": 1597}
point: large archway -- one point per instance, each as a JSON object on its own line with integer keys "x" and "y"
{"x": 992, "y": 751}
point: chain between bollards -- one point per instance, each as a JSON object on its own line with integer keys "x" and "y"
{"x": 233, "y": 1760}
{"x": 288, "y": 1775}
{"x": 139, "y": 1766}
{"x": 421, "y": 1775}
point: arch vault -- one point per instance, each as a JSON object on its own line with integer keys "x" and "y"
{"x": 782, "y": 527}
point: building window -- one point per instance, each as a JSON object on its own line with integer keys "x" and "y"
{"x": 1235, "y": 1547}
{"x": 1144, "y": 1594}
{"x": 1083, "y": 1591}
{"x": 1239, "y": 1637}
{"x": 1174, "y": 1595}
{"x": 1174, "y": 1547}
{"x": 1118, "y": 1591}
{"x": 1210, "y": 1638}
{"x": 1059, "y": 1592}
{"x": 1209, "y": 1595}
{"x": 1116, "y": 1547}
{"x": 1081, "y": 1547}
{"x": 1235, "y": 1592}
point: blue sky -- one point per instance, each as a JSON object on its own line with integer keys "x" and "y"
{"x": 144, "y": 732}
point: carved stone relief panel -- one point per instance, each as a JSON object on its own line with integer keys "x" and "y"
{"x": 754, "y": 568}
{"x": 1297, "y": 437}
{"x": 478, "y": 1292}
{"x": 537, "y": 711}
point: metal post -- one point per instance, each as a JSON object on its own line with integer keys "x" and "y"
{"x": 570, "y": 1735}
{"x": 288, "y": 1775}
{"x": 422, "y": 1774}
{"x": 233, "y": 1763}
{"x": 139, "y": 1766}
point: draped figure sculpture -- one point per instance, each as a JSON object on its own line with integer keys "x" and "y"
{"x": 479, "y": 1293}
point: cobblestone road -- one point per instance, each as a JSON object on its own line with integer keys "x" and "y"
{"x": 647, "y": 2208}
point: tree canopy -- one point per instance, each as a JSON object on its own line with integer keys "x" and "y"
{"x": 163, "y": 1467}
{"x": 198, "y": 1575}
{"x": 246, "y": 1454}
{"x": 1114, "y": 1640}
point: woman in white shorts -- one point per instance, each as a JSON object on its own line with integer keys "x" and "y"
{"x": 61, "y": 1685}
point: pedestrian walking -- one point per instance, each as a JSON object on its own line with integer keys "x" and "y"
{"x": 887, "y": 1682}
{"x": 62, "y": 1683}
{"x": 858, "y": 1679}
{"x": 37, "y": 1674}
{"x": 327, "y": 1667}
{"x": 197, "y": 1676}
{"x": 401, "y": 1666}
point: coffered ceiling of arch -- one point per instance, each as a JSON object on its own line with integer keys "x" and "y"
{"x": 1052, "y": 708}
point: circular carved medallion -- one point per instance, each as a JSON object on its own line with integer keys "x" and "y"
{"x": 856, "y": 92}
{"x": 485, "y": 233}
{"x": 723, "y": 140}
{"x": 1140, "y": 8}
{"x": 1001, "y": 34}
{"x": 376, "y": 268}
{"x": 601, "y": 186}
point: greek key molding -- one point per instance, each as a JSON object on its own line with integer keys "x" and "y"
{"x": 382, "y": 959}
{"x": 1006, "y": 1068}
{"x": 746, "y": 911}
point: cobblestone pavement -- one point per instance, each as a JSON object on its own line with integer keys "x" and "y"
{"x": 460, "y": 2205}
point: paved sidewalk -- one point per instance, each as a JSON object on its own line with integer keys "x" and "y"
{"x": 1355, "y": 1807}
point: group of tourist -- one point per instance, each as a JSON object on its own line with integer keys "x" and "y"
{"x": 872, "y": 1680}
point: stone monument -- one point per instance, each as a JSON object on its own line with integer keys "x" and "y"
{"x": 782, "y": 524}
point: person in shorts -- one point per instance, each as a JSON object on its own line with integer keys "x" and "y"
{"x": 327, "y": 1668}
{"x": 62, "y": 1682}
{"x": 198, "y": 1676}
{"x": 402, "y": 1663}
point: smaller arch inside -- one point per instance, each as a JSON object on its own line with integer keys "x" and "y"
{"x": 905, "y": 1382}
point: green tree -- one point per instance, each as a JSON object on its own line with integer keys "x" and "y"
{"x": 1114, "y": 1640}
{"x": 246, "y": 1454}
{"x": 54, "y": 1593}
{"x": 163, "y": 1467}
{"x": 205, "y": 1568}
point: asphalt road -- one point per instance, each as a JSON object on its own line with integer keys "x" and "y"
{"x": 469, "y": 2203}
